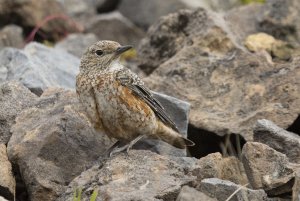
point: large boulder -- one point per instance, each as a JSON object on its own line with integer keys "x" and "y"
{"x": 142, "y": 175}
{"x": 194, "y": 57}
{"x": 38, "y": 67}
{"x": 52, "y": 143}
{"x": 14, "y": 97}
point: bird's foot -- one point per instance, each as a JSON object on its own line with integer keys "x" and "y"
{"x": 126, "y": 147}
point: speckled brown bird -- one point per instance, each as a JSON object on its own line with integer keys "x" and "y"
{"x": 117, "y": 101}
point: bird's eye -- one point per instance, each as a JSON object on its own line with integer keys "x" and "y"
{"x": 99, "y": 52}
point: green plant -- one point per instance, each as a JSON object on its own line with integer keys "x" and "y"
{"x": 78, "y": 193}
{"x": 253, "y": 1}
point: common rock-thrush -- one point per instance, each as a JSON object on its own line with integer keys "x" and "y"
{"x": 117, "y": 101}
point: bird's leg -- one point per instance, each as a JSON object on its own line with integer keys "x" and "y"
{"x": 127, "y": 146}
{"x": 106, "y": 154}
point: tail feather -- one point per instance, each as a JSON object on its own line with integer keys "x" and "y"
{"x": 170, "y": 136}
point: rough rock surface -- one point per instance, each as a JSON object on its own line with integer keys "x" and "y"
{"x": 296, "y": 187}
{"x": 14, "y": 97}
{"x": 143, "y": 175}
{"x": 3, "y": 199}
{"x": 190, "y": 194}
{"x": 222, "y": 189}
{"x": 228, "y": 88}
{"x": 39, "y": 67}
{"x": 11, "y": 35}
{"x": 30, "y": 13}
{"x": 275, "y": 174}
{"x": 76, "y": 44}
{"x": 7, "y": 181}
{"x": 52, "y": 143}
{"x": 215, "y": 166}
{"x": 268, "y": 133}
{"x": 114, "y": 26}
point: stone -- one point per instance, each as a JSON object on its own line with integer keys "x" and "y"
{"x": 78, "y": 8}
{"x": 39, "y": 67}
{"x": 178, "y": 110}
{"x": 296, "y": 187}
{"x": 7, "y": 181}
{"x": 268, "y": 133}
{"x": 215, "y": 166}
{"x": 3, "y": 199}
{"x": 31, "y": 13}
{"x": 11, "y": 36}
{"x": 190, "y": 55}
{"x": 190, "y": 194}
{"x": 114, "y": 26}
{"x": 275, "y": 174}
{"x": 14, "y": 97}
{"x": 77, "y": 43}
{"x": 144, "y": 13}
{"x": 222, "y": 190}
{"x": 142, "y": 175}
{"x": 52, "y": 143}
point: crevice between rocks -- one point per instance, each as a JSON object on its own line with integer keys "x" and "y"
{"x": 21, "y": 191}
{"x": 207, "y": 142}
{"x": 295, "y": 126}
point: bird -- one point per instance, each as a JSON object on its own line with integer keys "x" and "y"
{"x": 117, "y": 101}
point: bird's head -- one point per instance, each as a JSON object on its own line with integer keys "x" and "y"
{"x": 102, "y": 55}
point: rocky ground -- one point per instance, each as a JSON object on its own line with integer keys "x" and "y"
{"x": 227, "y": 72}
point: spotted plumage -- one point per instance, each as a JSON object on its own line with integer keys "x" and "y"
{"x": 117, "y": 101}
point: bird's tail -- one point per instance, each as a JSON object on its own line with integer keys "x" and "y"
{"x": 170, "y": 136}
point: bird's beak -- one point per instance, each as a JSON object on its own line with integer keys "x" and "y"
{"x": 122, "y": 49}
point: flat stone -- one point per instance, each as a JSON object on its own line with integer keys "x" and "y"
{"x": 268, "y": 133}
{"x": 191, "y": 194}
{"x": 7, "y": 180}
{"x": 142, "y": 175}
{"x": 222, "y": 190}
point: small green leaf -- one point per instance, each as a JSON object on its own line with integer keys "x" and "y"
{"x": 94, "y": 195}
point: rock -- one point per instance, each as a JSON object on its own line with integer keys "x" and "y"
{"x": 144, "y": 13}
{"x": 39, "y": 67}
{"x": 77, "y": 8}
{"x": 222, "y": 190}
{"x": 190, "y": 194}
{"x": 7, "y": 181}
{"x": 114, "y": 26}
{"x": 76, "y": 44}
{"x": 52, "y": 143}
{"x": 264, "y": 42}
{"x": 268, "y": 133}
{"x": 296, "y": 187}
{"x": 279, "y": 18}
{"x": 14, "y": 97}
{"x": 3, "y": 199}
{"x": 195, "y": 59}
{"x": 178, "y": 110}
{"x": 11, "y": 36}
{"x": 275, "y": 174}
{"x": 143, "y": 175}
{"x": 30, "y": 13}
{"x": 215, "y": 166}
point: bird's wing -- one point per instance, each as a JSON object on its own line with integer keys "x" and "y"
{"x": 132, "y": 81}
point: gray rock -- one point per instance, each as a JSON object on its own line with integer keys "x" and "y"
{"x": 193, "y": 56}
{"x": 76, "y": 44}
{"x": 144, "y": 13}
{"x": 3, "y": 199}
{"x": 178, "y": 111}
{"x": 77, "y": 8}
{"x": 11, "y": 36}
{"x": 7, "y": 181}
{"x": 296, "y": 187}
{"x": 190, "y": 194}
{"x": 39, "y": 67}
{"x": 114, "y": 26}
{"x": 143, "y": 175}
{"x": 222, "y": 190}
{"x": 14, "y": 97}
{"x": 52, "y": 143}
{"x": 275, "y": 174}
{"x": 215, "y": 166}
{"x": 279, "y": 139}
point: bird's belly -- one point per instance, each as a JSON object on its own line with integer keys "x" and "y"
{"x": 123, "y": 115}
